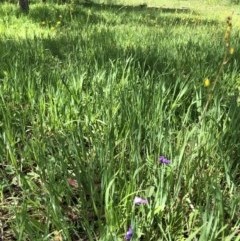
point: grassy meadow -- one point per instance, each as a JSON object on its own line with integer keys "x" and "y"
{"x": 92, "y": 95}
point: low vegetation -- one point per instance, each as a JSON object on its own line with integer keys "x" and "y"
{"x": 119, "y": 122}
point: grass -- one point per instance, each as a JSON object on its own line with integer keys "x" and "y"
{"x": 91, "y": 96}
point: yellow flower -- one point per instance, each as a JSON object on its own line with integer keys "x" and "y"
{"x": 58, "y": 22}
{"x": 206, "y": 82}
{"x": 231, "y": 51}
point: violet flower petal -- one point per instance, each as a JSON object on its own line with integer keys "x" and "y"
{"x": 164, "y": 160}
{"x": 129, "y": 233}
{"x": 139, "y": 200}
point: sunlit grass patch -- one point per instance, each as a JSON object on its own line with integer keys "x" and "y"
{"x": 23, "y": 29}
{"x": 13, "y": 25}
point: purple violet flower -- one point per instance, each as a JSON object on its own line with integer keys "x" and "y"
{"x": 139, "y": 200}
{"x": 129, "y": 233}
{"x": 164, "y": 160}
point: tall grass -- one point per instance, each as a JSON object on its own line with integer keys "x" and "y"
{"x": 88, "y": 107}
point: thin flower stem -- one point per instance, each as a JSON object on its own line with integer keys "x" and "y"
{"x": 224, "y": 62}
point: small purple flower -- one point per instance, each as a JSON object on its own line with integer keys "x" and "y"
{"x": 164, "y": 160}
{"x": 139, "y": 200}
{"x": 129, "y": 234}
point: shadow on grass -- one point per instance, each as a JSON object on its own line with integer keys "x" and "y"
{"x": 96, "y": 13}
{"x": 140, "y": 7}
{"x": 230, "y": 141}
{"x": 98, "y": 48}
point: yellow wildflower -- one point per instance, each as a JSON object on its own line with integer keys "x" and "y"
{"x": 206, "y": 82}
{"x": 231, "y": 51}
{"x": 58, "y": 22}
